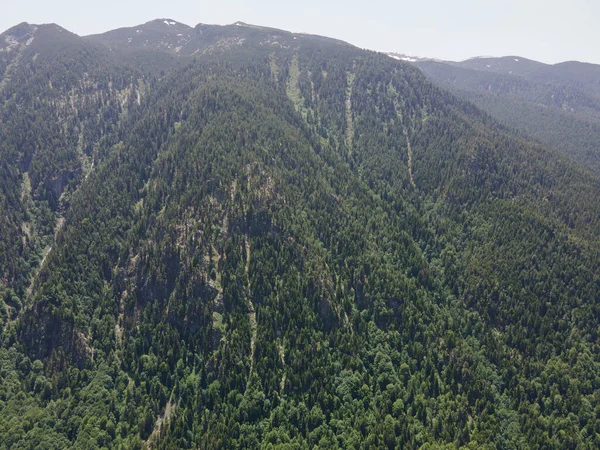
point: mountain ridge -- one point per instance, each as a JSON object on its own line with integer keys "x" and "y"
{"x": 284, "y": 241}
{"x": 473, "y": 59}
{"x": 558, "y": 104}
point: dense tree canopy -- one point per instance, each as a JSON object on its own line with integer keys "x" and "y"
{"x": 284, "y": 241}
{"x": 558, "y": 104}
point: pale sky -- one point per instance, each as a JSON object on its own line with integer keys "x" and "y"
{"x": 546, "y": 30}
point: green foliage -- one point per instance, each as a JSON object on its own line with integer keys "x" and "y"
{"x": 250, "y": 264}
{"x": 556, "y": 105}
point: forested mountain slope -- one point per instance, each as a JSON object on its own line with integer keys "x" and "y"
{"x": 285, "y": 241}
{"x": 582, "y": 75}
{"x": 60, "y": 99}
{"x": 558, "y": 104}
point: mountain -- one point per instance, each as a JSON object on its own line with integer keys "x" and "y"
{"x": 583, "y": 75}
{"x": 403, "y": 57}
{"x": 171, "y": 37}
{"x": 272, "y": 239}
{"x": 508, "y": 65}
{"x": 60, "y": 96}
{"x": 158, "y": 35}
{"x": 559, "y": 104}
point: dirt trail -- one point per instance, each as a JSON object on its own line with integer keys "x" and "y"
{"x": 349, "y": 123}
{"x": 408, "y": 147}
{"x": 59, "y": 224}
{"x": 251, "y": 314}
{"x": 118, "y": 329}
{"x": 251, "y": 311}
{"x": 283, "y": 376}
{"x": 410, "y": 155}
{"x": 160, "y": 423}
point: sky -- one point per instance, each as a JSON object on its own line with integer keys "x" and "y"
{"x": 545, "y": 30}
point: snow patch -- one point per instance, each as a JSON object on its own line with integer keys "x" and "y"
{"x": 487, "y": 65}
{"x": 138, "y": 31}
{"x": 516, "y": 60}
{"x": 169, "y": 22}
{"x": 403, "y": 58}
{"x": 247, "y": 25}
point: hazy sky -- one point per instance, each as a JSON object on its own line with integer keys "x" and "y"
{"x": 546, "y": 30}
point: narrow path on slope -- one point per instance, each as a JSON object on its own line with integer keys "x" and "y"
{"x": 251, "y": 314}
{"x": 283, "y": 376}
{"x": 408, "y": 147}
{"x": 349, "y": 124}
{"x": 410, "y": 155}
{"x": 160, "y": 423}
{"x": 59, "y": 224}
{"x": 251, "y": 311}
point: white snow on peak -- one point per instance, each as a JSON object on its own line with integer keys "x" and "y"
{"x": 487, "y": 65}
{"x": 247, "y": 25}
{"x": 516, "y": 60}
{"x": 403, "y": 58}
{"x": 169, "y": 22}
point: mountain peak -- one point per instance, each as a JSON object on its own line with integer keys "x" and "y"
{"x": 166, "y": 23}
{"x": 21, "y": 34}
{"x": 159, "y": 34}
{"x": 408, "y": 58}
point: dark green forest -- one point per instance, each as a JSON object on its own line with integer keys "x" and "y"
{"x": 558, "y": 105}
{"x": 260, "y": 239}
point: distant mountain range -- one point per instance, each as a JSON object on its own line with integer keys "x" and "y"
{"x": 558, "y": 104}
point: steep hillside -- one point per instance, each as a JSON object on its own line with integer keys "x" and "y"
{"x": 558, "y": 105}
{"x": 60, "y": 99}
{"x": 288, "y": 241}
